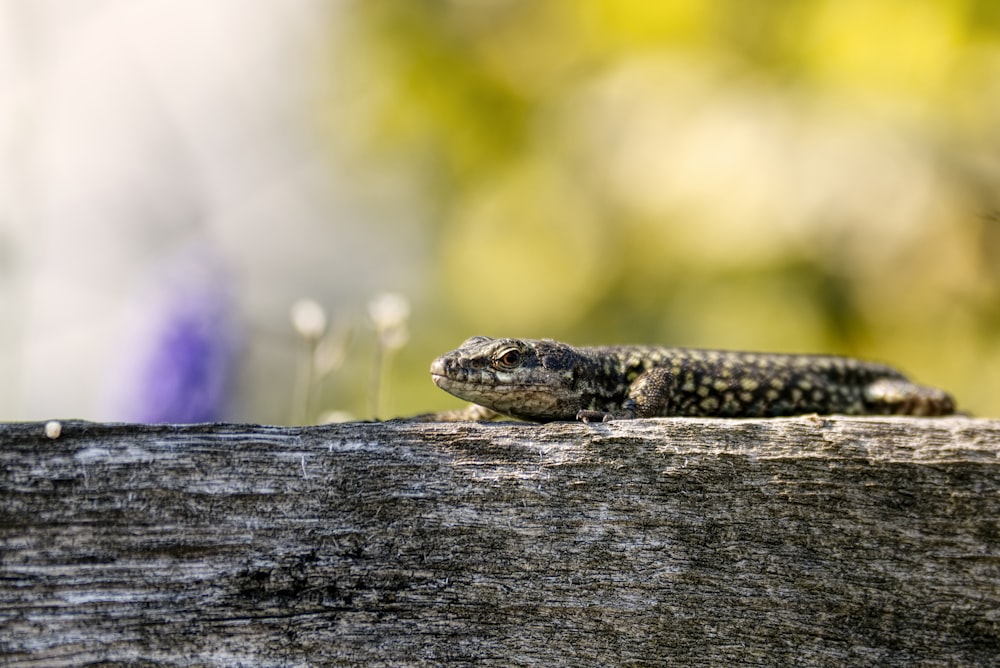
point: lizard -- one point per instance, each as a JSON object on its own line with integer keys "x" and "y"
{"x": 542, "y": 380}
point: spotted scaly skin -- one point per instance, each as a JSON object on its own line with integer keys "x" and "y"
{"x": 544, "y": 380}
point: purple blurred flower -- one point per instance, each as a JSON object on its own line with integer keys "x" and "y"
{"x": 182, "y": 365}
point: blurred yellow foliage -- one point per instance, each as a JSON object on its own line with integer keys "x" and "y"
{"x": 892, "y": 47}
{"x": 524, "y": 251}
{"x": 634, "y": 24}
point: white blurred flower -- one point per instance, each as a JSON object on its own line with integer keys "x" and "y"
{"x": 308, "y": 319}
{"x": 389, "y": 309}
{"x": 335, "y": 417}
{"x": 389, "y": 312}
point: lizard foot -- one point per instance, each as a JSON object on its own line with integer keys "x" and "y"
{"x": 587, "y": 416}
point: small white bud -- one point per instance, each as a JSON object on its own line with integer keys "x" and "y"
{"x": 53, "y": 429}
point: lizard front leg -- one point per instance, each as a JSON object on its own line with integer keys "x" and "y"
{"x": 648, "y": 396}
{"x": 650, "y": 393}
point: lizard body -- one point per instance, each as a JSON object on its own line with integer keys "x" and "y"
{"x": 544, "y": 380}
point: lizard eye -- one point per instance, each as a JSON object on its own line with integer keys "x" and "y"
{"x": 509, "y": 358}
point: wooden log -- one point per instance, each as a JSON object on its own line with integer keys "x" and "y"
{"x": 805, "y": 541}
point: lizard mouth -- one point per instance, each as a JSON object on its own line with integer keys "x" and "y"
{"x": 475, "y": 388}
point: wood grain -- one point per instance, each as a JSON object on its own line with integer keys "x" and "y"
{"x": 804, "y": 541}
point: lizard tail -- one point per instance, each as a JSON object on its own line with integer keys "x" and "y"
{"x": 891, "y": 396}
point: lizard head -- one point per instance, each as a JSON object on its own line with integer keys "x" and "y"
{"x": 523, "y": 378}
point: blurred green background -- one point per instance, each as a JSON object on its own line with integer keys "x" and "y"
{"x": 807, "y": 176}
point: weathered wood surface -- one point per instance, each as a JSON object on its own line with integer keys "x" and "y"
{"x": 808, "y": 541}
